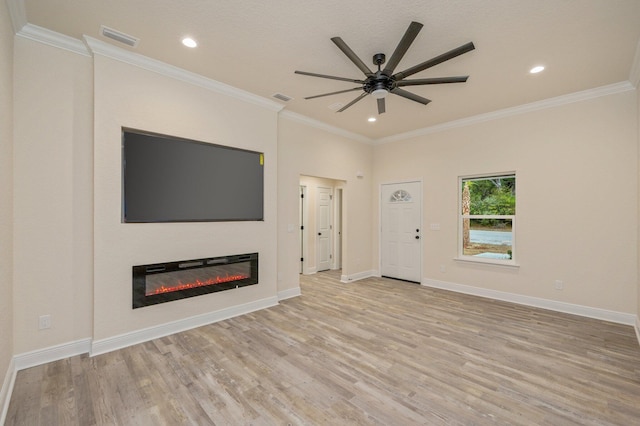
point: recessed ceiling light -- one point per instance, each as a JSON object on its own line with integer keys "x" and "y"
{"x": 189, "y": 42}
{"x": 536, "y": 69}
{"x": 371, "y": 119}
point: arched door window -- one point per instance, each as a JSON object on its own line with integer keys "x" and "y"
{"x": 400, "y": 196}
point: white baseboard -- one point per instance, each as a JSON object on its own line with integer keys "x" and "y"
{"x": 357, "y": 276}
{"x": 7, "y": 390}
{"x": 52, "y": 353}
{"x": 585, "y": 311}
{"x": 289, "y": 293}
{"x": 33, "y": 358}
{"x": 637, "y": 327}
{"x": 139, "y": 336}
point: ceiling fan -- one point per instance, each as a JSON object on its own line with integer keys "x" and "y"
{"x": 382, "y": 82}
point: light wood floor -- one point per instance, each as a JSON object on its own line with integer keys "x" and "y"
{"x": 375, "y": 352}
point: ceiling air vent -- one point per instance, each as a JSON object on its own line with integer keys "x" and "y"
{"x": 119, "y": 36}
{"x": 282, "y": 97}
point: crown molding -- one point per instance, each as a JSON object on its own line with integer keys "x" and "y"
{"x": 18, "y": 14}
{"x": 634, "y": 74}
{"x": 294, "y": 116}
{"x": 52, "y": 38}
{"x": 584, "y": 95}
{"x": 149, "y": 64}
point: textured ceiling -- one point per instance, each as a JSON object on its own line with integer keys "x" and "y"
{"x": 256, "y": 45}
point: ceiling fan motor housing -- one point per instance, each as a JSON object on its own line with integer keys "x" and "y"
{"x": 378, "y": 81}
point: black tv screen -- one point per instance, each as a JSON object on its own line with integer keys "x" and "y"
{"x": 169, "y": 179}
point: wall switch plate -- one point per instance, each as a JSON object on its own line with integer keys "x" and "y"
{"x": 435, "y": 226}
{"x": 44, "y": 322}
{"x": 559, "y": 285}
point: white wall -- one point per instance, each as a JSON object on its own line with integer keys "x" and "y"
{"x": 638, "y": 137}
{"x": 129, "y": 96}
{"x": 6, "y": 198}
{"x": 577, "y": 194}
{"x": 307, "y": 150}
{"x": 52, "y": 195}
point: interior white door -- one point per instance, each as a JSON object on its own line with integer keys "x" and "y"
{"x": 401, "y": 247}
{"x": 323, "y": 228}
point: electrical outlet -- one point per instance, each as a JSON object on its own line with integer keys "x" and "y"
{"x": 44, "y": 322}
{"x": 443, "y": 268}
{"x": 559, "y": 285}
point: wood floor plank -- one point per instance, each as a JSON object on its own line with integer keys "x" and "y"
{"x": 372, "y": 352}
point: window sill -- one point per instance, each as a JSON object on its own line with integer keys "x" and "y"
{"x": 492, "y": 262}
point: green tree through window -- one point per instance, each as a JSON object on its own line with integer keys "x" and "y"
{"x": 487, "y": 217}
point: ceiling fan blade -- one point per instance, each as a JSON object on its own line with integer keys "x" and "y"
{"x": 411, "y": 96}
{"x": 362, "y": 95}
{"x": 351, "y": 55}
{"x": 334, "y": 93}
{"x": 403, "y": 46}
{"x": 435, "y": 61}
{"x": 381, "y": 106}
{"x": 312, "y": 74}
{"x": 438, "y": 80}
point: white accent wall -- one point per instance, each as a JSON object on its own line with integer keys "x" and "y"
{"x": 577, "y": 199}
{"x": 307, "y": 149}
{"x": 636, "y": 82}
{"x": 52, "y": 195}
{"x": 6, "y": 203}
{"x": 130, "y": 96}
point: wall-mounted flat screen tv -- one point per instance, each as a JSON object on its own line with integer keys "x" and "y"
{"x": 170, "y": 179}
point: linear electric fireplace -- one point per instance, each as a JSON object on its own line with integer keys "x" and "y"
{"x": 165, "y": 282}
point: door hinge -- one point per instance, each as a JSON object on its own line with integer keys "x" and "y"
{"x": 331, "y": 197}
{"x": 302, "y": 259}
{"x": 302, "y": 227}
{"x": 301, "y": 195}
{"x": 330, "y": 256}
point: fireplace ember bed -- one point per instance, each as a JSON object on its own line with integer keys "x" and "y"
{"x": 165, "y": 282}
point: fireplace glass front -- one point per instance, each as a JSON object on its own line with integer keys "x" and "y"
{"x": 165, "y": 282}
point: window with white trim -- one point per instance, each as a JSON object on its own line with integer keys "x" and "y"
{"x": 487, "y": 218}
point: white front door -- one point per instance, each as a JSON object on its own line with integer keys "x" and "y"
{"x": 401, "y": 233}
{"x": 323, "y": 227}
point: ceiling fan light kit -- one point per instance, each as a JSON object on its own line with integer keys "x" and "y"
{"x": 380, "y": 93}
{"x": 383, "y": 81}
